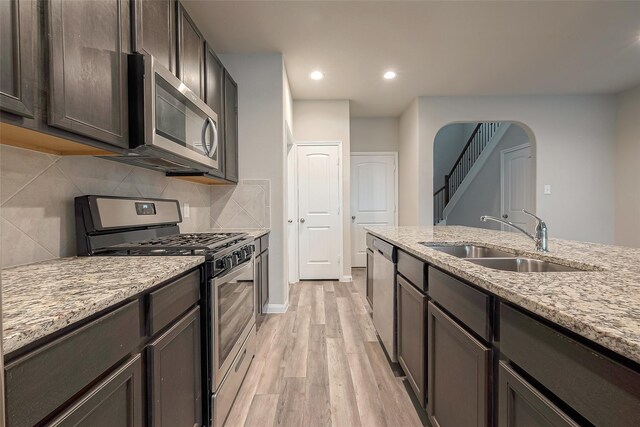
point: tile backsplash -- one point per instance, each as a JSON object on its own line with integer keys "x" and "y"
{"x": 246, "y": 205}
{"x": 37, "y": 192}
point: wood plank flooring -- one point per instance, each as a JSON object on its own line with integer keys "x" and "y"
{"x": 321, "y": 364}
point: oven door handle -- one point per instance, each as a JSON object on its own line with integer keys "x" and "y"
{"x": 248, "y": 267}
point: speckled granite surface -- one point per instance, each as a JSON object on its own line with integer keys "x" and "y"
{"x": 602, "y": 305}
{"x": 39, "y": 299}
{"x": 253, "y": 232}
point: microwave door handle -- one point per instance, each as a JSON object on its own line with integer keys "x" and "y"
{"x": 214, "y": 144}
{"x": 203, "y": 136}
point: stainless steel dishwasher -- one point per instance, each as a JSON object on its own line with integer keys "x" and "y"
{"x": 385, "y": 258}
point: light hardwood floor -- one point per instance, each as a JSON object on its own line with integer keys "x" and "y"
{"x": 321, "y": 364}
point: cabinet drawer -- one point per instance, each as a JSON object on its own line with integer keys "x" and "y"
{"x": 170, "y": 301}
{"x": 258, "y": 246}
{"x": 413, "y": 269}
{"x": 264, "y": 242}
{"x": 116, "y": 401}
{"x": 370, "y": 241}
{"x": 600, "y": 389}
{"x": 44, "y": 379}
{"x": 470, "y": 306}
{"x": 521, "y": 405}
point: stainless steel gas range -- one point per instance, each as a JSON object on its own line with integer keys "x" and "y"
{"x": 118, "y": 226}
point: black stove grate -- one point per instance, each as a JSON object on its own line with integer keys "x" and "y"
{"x": 180, "y": 243}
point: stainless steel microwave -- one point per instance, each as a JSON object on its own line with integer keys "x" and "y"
{"x": 169, "y": 126}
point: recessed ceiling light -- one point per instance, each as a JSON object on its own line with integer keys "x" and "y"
{"x": 316, "y": 75}
{"x": 390, "y": 75}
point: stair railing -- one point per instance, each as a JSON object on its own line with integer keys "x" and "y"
{"x": 476, "y": 143}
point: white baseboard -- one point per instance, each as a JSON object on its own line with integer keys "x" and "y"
{"x": 276, "y": 308}
{"x": 346, "y": 279}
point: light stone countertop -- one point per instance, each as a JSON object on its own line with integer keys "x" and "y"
{"x": 602, "y": 305}
{"x": 42, "y": 298}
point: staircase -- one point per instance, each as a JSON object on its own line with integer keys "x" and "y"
{"x": 480, "y": 137}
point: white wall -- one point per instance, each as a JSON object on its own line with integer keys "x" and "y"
{"x": 447, "y": 147}
{"x": 329, "y": 121}
{"x": 574, "y": 144}
{"x": 627, "y": 179}
{"x": 374, "y": 134}
{"x": 408, "y": 187}
{"x": 483, "y": 195}
{"x": 261, "y": 114}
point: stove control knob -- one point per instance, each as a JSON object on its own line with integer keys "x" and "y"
{"x": 228, "y": 262}
{"x": 237, "y": 256}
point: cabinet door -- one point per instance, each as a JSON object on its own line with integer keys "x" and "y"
{"x": 369, "y": 289}
{"x": 116, "y": 401}
{"x": 521, "y": 405}
{"x": 190, "y": 53}
{"x": 154, "y": 26}
{"x": 412, "y": 354}
{"x": 89, "y": 43}
{"x": 264, "y": 277}
{"x": 458, "y": 374}
{"x": 174, "y": 374}
{"x": 214, "y": 96}
{"x": 17, "y": 72}
{"x": 231, "y": 127}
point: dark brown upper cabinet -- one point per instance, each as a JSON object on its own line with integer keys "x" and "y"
{"x": 154, "y": 30}
{"x": 230, "y": 128}
{"x": 89, "y": 43}
{"x": 214, "y": 97}
{"x": 17, "y": 50}
{"x": 190, "y": 53}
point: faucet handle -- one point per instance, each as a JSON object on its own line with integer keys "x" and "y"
{"x": 540, "y": 221}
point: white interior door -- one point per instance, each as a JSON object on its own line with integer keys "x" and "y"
{"x": 373, "y": 198}
{"x": 517, "y": 185}
{"x": 319, "y": 212}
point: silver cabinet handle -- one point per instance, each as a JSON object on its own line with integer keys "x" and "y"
{"x": 302, "y": 220}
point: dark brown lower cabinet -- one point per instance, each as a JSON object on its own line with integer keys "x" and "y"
{"x": 458, "y": 374}
{"x": 412, "y": 315}
{"x": 369, "y": 288}
{"x": 521, "y": 405}
{"x": 174, "y": 374}
{"x": 115, "y": 402}
{"x": 264, "y": 278}
{"x": 257, "y": 283}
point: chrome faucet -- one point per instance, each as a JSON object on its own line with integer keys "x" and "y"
{"x": 540, "y": 238}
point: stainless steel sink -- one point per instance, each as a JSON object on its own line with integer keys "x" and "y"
{"x": 469, "y": 251}
{"x": 523, "y": 265}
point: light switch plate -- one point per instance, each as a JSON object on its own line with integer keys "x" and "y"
{"x": 185, "y": 210}
{"x": 547, "y": 189}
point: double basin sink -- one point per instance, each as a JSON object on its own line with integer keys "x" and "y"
{"x": 501, "y": 260}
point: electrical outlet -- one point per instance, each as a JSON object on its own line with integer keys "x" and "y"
{"x": 185, "y": 210}
{"x": 547, "y": 189}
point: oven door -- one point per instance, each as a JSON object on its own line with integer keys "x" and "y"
{"x": 233, "y": 315}
{"x": 176, "y": 120}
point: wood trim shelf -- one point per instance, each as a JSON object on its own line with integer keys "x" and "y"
{"x": 33, "y": 140}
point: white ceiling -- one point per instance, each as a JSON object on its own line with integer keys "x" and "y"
{"x": 437, "y": 48}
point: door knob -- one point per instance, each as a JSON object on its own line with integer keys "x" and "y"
{"x": 505, "y": 216}
{"x": 302, "y": 220}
